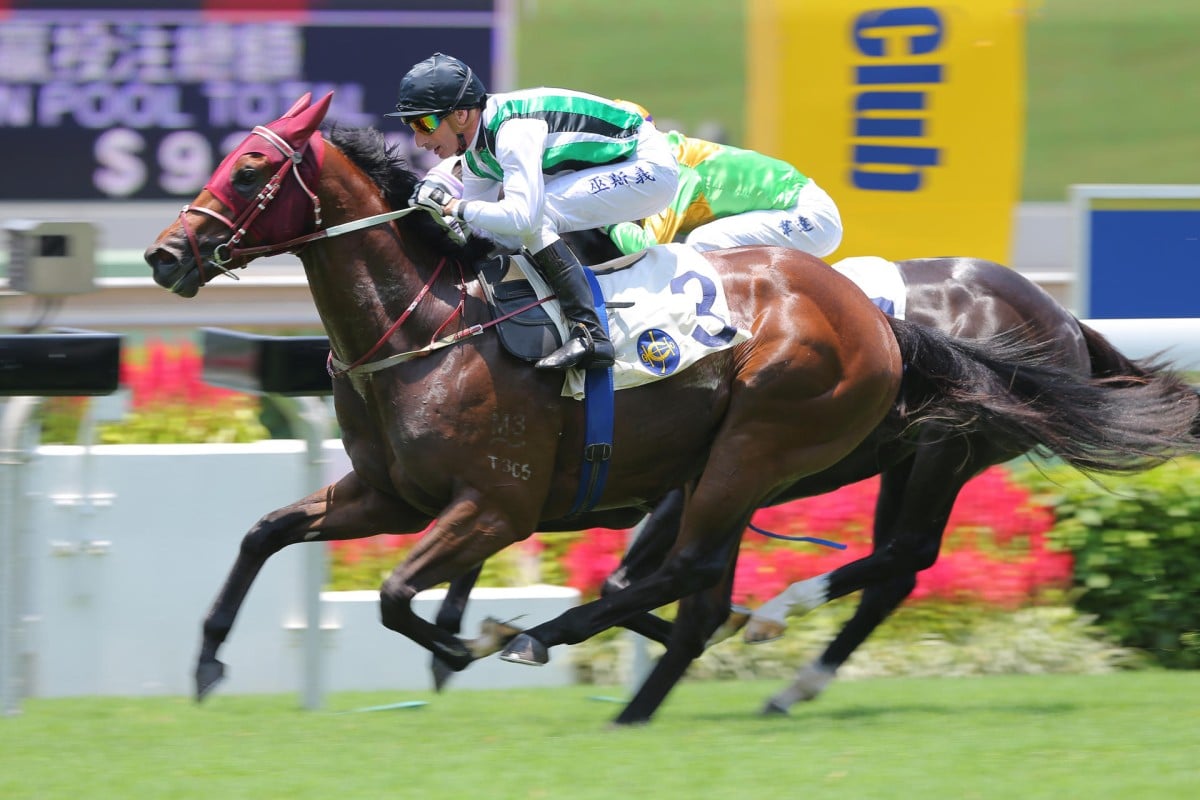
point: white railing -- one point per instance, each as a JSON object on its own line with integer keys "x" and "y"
{"x": 1177, "y": 339}
{"x": 126, "y": 545}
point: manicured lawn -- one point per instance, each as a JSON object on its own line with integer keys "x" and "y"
{"x": 1113, "y": 736}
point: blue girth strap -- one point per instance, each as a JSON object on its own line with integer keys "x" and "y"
{"x": 598, "y": 420}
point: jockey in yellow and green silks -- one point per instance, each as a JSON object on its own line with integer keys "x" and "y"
{"x": 728, "y": 196}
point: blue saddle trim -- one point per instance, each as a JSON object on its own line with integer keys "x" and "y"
{"x": 598, "y": 419}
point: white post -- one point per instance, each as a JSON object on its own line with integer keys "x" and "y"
{"x": 312, "y": 416}
{"x": 14, "y": 454}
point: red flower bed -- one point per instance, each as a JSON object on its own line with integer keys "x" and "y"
{"x": 994, "y": 550}
{"x": 170, "y": 375}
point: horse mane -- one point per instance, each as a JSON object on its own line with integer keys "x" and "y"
{"x": 389, "y": 170}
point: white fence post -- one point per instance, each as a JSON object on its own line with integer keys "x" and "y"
{"x": 14, "y": 571}
{"x": 312, "y": 417}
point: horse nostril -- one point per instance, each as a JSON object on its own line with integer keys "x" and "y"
{"x": 158, "y": 257}
{"x": 165, "y": 264}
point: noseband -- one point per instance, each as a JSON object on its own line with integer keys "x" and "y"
{"x": 227, "y": 251}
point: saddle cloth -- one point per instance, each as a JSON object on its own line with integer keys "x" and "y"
{"x": 666, "y": 311}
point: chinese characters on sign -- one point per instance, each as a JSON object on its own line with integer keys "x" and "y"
{"x": 128, "y": 108}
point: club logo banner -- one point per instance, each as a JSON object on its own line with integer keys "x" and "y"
{"x": 910, "y": 116}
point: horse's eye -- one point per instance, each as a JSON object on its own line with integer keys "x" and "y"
{"x": 245, "y": 178}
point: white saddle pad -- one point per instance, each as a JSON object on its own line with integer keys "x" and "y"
{"x": 666, "y": 312}
{"x": 879, "y": 279}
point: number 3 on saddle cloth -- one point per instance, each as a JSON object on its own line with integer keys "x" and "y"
{"x": 666, "y": 311}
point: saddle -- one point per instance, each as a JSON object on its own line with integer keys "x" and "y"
{"x": 529, "y": 334}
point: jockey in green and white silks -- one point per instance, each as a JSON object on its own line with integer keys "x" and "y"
{"x": 729, "y": 197}
{"x": 578, "y": 158}
{"x": 539, "y": 162}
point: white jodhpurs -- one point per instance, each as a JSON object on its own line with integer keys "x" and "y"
{"x": 813, "y": 225}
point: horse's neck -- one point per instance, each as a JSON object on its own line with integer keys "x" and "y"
{"x": 363, "y": 282}
{"x": 360, "y": 293}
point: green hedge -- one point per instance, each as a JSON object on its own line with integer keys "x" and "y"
{"x": 1136, "y": 542}
{"x": 227, "y": 420}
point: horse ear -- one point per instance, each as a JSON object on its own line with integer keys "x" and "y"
{"x": 307, "y": 120}
{"x": 299, "y": 105}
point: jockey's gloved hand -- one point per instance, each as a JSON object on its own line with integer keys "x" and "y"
{"x": 430, "y": 195}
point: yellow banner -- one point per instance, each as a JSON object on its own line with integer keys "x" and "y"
{"x": 911, "y": 116}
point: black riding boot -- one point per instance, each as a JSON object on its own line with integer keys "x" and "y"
{"x": 589, "y": 346}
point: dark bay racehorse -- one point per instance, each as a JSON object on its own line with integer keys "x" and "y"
{"x": 923, "y": 469}
{"x": 821, "y": 371}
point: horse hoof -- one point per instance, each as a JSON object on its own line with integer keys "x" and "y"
{"x": 620, "y": 724}
{"x": 524, "y": 649}
{"x": 738, "y": 617}
{"x": 208, "y": 674}
{"x": 760, "y": 630}
{"x": 441, "y": 673}
{"x": 774, "y": 709}
{"x": 493, "y": 635}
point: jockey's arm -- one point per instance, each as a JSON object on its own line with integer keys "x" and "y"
{"x": 631, "y": 237}
{"x": 518, "y": 212}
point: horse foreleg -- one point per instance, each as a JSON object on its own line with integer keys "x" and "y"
{"x": 700, "y": 615}
{"x": 654, "y": 539}
{"x": 348, "y": 509}
{"x": 692, "y": 566}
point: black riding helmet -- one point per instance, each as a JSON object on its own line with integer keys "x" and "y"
{"x": 438, "y": 85}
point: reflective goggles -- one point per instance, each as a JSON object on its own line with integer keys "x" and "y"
{"x": 426, "y": 123}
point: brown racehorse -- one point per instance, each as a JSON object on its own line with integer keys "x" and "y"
{"x": 923, "y": 470}
{"x": 823, "y": 369}
{"x": 923, "y": 467}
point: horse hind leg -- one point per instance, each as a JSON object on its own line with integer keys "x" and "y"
{"x": 653, "y": 540}
{"x": 454, "y": 547}
{"x": 691, "y": 567}
{"x": 715, "y": 516}
{"x": 649, "y": 547}
{"x": 449, "y": 618}
{"x": 876, "y": 604}
{"x": 911, "y": 514}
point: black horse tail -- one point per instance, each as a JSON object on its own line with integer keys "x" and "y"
{"x": 1110, "y": 363}
{"x": 1015, "y": 394}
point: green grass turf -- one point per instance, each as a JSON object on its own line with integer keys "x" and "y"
{"x": 1112, "y": 88}
{"x": 1113, "y": 736}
